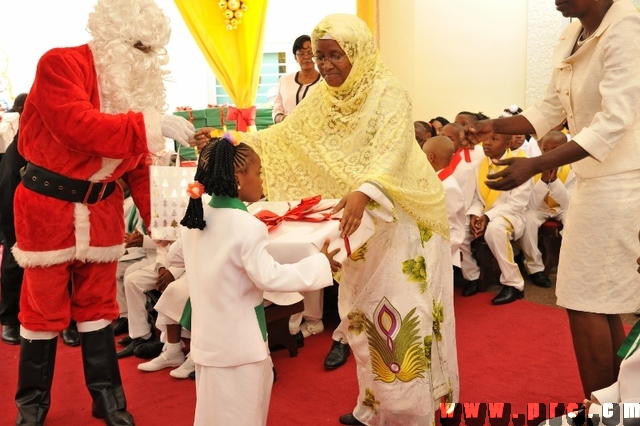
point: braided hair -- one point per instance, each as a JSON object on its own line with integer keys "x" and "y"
{"x": 219, "y": 161}
{"x": 477, "y": 115}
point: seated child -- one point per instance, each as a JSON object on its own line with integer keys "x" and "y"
{"x": 549, "y": 200}
{"x": 439, "y": 151}
{"x": 470, "y": 151}
{"x": 499, "y": 217}
{"x": 437, "y": 124}
{"x": 466, "y": 179}
{"x": 423, "y": 131}
{"x": 521, "y": 143}
{"x": 140, "y": 251}
{"x": 225, "y": 251}
{"x": 170, "y": 307}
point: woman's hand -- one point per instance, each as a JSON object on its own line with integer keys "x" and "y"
{"x": 481, "y": 131}
{"x": 335, "y": 265}
{"x": 517, "y": 172}
{"x": 353, "y": 205}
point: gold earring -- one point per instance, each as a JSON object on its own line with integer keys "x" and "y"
{"x": 239, "y": 187}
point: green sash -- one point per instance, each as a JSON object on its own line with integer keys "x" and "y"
{"x": 631, "y": 343}
{"x": 221, "y": 202}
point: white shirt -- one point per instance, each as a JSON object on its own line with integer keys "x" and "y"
{"x": 456, "y": 214}
{"x": 229, "y": 267}
{"x": 290, "y": 93}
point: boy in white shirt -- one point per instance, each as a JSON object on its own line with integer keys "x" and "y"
{"x": 499, "y": 217}
{"x": 439, "y": 151}
{"x": 549, "y": 200}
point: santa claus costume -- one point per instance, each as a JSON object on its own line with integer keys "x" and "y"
{"x": 93, "y": 115}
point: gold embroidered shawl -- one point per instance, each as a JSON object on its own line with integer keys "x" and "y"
{"x": 340, "y": 137}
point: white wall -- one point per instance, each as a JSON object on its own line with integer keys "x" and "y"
{"x": 31, "y": 27}
{"x": 457, "y": 55}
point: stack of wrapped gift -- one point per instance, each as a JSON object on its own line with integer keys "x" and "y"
{"x": 217, "y": 118}
{"x": 299, "y": 229}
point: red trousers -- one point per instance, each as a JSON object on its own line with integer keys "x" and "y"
{"x": 46, "y": 304}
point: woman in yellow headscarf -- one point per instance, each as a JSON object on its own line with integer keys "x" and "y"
{"x": 354, "y": 135}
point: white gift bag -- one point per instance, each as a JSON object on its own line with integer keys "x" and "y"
{"x": 169, "y": 199}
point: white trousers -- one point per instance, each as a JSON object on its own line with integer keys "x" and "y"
{"x": 171, "y": 305}
{"x": 135, "y": 285}
{"x": 125, "y": 267}
{"x": 498, "y": 235}
{"x": 313, "y": 308}
{"x": 237, "y": 396}
{"x": 529, "y": 240}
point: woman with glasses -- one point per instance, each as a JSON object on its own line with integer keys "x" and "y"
{"x": 352, "y": 138}
{"x": 293, "y": 87}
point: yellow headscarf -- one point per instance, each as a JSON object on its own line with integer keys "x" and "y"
{"x": 340, "y": 137}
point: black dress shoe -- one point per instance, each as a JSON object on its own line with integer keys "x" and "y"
{"x": 349, "y": 419}
{"x": 120, "y": 326}
{"x": 149, "y": 350}
{"x": 508, "y": 294}
{"x": 125, "y": 341}
{"x": 11, "y": 334}
{"x": 128, "y": 350}
{"x": 70, "y": 336}
{"x": 540, "y": 279}
{"x": 471, "y": 288}
{"x": 337, "y": 356}
{"x": 299, "y": 339}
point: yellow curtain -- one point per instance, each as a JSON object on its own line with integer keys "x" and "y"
{"x": 367, "y": 10}
{"x": 234, "y": 55}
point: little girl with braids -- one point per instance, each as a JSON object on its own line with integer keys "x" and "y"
{"x": 225, "y": 251}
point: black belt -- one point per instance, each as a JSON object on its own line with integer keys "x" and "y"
{"x": 51, "y": 184}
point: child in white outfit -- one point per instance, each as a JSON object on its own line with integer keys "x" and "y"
{"x": 549, "y": 200}
{"x": 225, "y": 253}
{"x": 499, "y": 217}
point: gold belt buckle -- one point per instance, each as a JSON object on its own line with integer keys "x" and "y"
{"x": 100, "y": 194}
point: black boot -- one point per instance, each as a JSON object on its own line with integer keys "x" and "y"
{"x": 35, "y": 375}
{"x": 102, "y": 376}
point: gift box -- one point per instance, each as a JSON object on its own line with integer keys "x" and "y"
{"x": 210, "y": 117}
{"x": 299, "y": 229}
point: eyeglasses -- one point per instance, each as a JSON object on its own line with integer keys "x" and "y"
{"x": 304, "y": 54}
{"x": 333, "y": 58}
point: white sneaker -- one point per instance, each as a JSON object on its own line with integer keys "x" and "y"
{"x": 162, "y": 361}
{"x": 309, "y": 328}
{"x": 184, "y": 370}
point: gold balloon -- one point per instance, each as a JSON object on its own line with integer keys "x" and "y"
{"x": 222, "y": 4}
{"x": 233, "y": 4}
{"x": 238, "y": 14}
{"x": 228, "y": 14}
{"x": 244, "y": 7}
{"x": 230, "y": 27}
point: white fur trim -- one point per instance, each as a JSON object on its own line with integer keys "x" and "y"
{"x": 37, "y": 335}
{"x": 89, "y": 326}
{"x": 82, "y": 225}
{"x": 82, "y": 251}
{"x": 32, "y": 259}
{"x": 153, "y": 128}
{"x": 102, "y": 254}
{"x": 106, "y": 170}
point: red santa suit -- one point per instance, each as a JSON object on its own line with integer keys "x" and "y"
{"x": 63, "y": 130}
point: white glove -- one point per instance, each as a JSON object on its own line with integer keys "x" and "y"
{"x": 178, "y": 129}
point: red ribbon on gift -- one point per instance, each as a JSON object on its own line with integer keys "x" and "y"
{"x": 301, "y": 212}
{"x": 244, "y": 117}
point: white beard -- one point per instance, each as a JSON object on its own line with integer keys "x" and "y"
{"x": 128, "y": 79}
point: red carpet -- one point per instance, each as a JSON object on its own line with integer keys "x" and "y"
{"x": 518, "y": 353}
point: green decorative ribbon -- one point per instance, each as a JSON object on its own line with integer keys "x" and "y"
{"x": 631, "y": 343}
